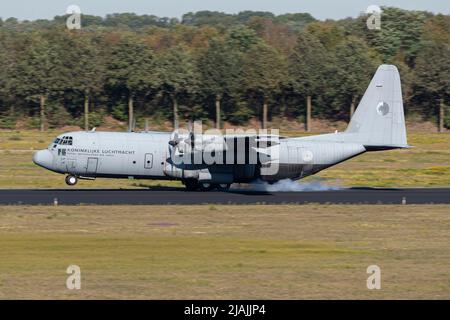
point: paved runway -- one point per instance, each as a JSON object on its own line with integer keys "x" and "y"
{"x": 162, "y": 196}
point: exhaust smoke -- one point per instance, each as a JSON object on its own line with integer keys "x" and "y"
{"x": 287, "y": 185}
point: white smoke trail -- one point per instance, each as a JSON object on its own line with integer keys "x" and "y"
{"x": 286, "y": 185}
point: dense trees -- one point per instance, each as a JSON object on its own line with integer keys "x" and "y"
{"x": 432, "y": 81}
{"x": 130, "y": 69}
{"x": 401, "y": 31}
{"x": 353, "y": 68}
{"x": 178, "y": 76}
{"x": 87, "y": 73}
{"x": 39, "y": 73}
{"x": 264, "y": 72}
{"x": 219, "y": 67}
{"x": 310, "y": 63}
{"x": 216, "y": 66}
{"x": 5, "y": 71}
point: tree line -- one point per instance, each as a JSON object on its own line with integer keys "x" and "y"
{"x": 216, "y": 66}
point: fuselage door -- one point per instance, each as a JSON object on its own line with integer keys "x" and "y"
{"x": 92, "y": 164}
{"x": 148, "y": 161}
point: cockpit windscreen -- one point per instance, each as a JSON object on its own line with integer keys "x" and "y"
{"x": 66, "y": 140}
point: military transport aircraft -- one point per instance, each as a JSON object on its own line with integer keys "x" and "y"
{"x": 211, "y": 161}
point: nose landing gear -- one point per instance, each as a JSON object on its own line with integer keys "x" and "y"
{"x": 71, "y": 180}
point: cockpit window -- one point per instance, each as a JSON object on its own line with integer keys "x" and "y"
{"x": 64, "y": 141}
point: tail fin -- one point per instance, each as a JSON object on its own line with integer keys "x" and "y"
{"x": 379, "y": 121}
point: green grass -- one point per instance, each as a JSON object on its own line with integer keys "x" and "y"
{"x": 426, "y": 165}
{"x": 230, "y": 252}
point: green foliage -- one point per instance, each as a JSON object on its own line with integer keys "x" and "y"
{"x": 177, "y": 72}
{"x": 220, "y": 19}
{"x": 401, "y": 31}
{"x": 264, "y": 69}
{"x": 209, "y": 18}
{"x": 329, "y": 33}
{"x": 81, "y": 55}
{"x": 40, "y": 70}
{"x": 297, "y": 21}
{"x": 309, "y": 64}
{"x": 125, "y": 21}
{"x": 242, "y": 38}
{"x": 33, "y": 122}
{"x": 135, "y": 21}
{"x": 436, "y": 29}
{"x": 432, "y": 76}
{"x": 96, "y": 118}
{"x": 8, "y": 121}
{"x": 219, "y": 67}
{"x": 447, "y": 120}
{"x": 57, "y": 115}
{"x": 241, "y": 114}
{"x": 130, "y": 67}
{"x": 237, "y": 59}
{"x": 347, "y": 84}
{"x": 119, "y": 112}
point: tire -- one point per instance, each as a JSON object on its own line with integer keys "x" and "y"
{"x": 71, "y": 180}
{"x": 206, "y": 186}
{"x": 191, "y": 185}
{"x": 223, "y": 186}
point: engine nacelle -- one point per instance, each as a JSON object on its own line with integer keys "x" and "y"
{"x": 173, "y": 171}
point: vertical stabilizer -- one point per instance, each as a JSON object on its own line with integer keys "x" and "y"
{"x": 379, "y": 120}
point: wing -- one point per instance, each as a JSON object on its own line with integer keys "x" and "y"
{"x": 241, "y": 148}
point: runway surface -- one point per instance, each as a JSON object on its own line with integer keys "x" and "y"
{"x": 161, "y": 196}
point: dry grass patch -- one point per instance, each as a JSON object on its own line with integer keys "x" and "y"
{"x": 225, "y": 252}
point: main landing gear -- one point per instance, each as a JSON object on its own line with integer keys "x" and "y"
{"x": 71, "y": 180}
{"x": 193, "y": 185}
{"x": 223, "y": 186}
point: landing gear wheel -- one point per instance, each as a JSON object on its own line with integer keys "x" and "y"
{"x": 191, "y": 185}
{"x": 223, "y": 186}
{"x": 206, "y": 186}
{"x": 71, "y": 180}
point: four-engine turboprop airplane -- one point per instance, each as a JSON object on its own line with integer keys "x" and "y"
{"x": 206, "y": 161}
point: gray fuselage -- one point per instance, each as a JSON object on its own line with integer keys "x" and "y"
{"x": 147, "y": 156}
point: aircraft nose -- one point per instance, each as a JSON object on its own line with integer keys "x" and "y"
{"x": 43, "y": 158}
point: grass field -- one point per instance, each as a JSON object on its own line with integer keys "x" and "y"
{"x": 225, "y": 252}
{"x": 426, "y": 165}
